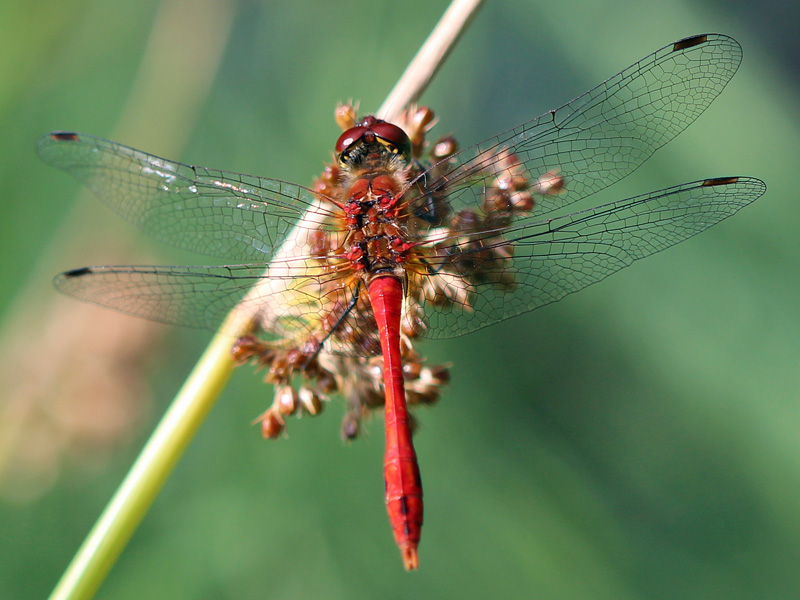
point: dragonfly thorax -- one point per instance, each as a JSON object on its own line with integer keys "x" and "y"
{"x": 377, "y": 240}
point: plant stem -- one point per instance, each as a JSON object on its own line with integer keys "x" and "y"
{"x": 430, "y": 57}
{"x": 133, "y": 498}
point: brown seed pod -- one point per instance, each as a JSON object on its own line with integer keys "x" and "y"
{"x": 310, "y": 401}
{"x": 272, "y": 425}
{"x": 286, "y": 400}
{"x": 444, "y": 148}
{"x": 345, "y": 115}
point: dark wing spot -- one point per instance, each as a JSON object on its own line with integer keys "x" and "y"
{"x": 64, "y": 136}
{"x": 720, "y": 181}
{"x": 78, "y": 272}
{"x": 689, "y": 42}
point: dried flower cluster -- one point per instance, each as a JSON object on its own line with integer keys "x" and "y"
{"x": 451, "y": 250}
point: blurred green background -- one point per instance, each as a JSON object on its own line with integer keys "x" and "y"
{"x": 638, "y": 440}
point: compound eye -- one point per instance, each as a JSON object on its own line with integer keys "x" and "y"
{"x": 349, "y": 137}
{"x": 394, "y": 135}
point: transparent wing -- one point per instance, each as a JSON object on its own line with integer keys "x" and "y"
{"x": 601, "y": 136}
{"x": 591, "y": 143}
{"x": 551, "y": 259}
{"x": 237, "y": 217}
{"x": 301, "y": 303}
{"x": 556, "y": 257}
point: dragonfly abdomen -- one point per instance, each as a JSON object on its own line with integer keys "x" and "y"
{"x": 401, "y": 472}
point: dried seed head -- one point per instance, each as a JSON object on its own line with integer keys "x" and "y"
{"x": 286, "y": 400}
{"x": 507, "y": 161}
{"x": 412, "y": 324}
{"x": 310, "y": 401}
{"x": 550, "y": 183}
{"x": 411, "y": 369}
{"x": 440, "y": 374}
{"x": 426, "y": 388}
{"x": 497, "y": 201}
{"x": 444, "y": 289}
{"x": 444, "y": 148}
{"x": 504, "y": 183}
{"x": 245, "y": 348}
{"x": 248, "y": 348}
{"x": 297, "y": 360}
{"x": 372, "y": 396}
{"x": 419, "y": 395}
{"x": 422, "y": 117}
{"x": 416, "y": 121}
{"x": 375, "y": 369}
{"x": 435, "y": 374}
{"x": 272, "y": 425}
{"x": 351, "y": 426}
{"x": 331, "y": 174}
{"x": 465, "y": 220}
{"x": 346, "y": 116}
{"x": 279, "y": 370}
{"x": 326, "y": 382}
{"x": 522, "y": 201}
{"x": 519, "y": 183}
{"x": 327, "y": 184}
{"x": 242, "y": 349}
{"x": 361, "y": 380}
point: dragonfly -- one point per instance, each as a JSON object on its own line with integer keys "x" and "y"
{"x": 402, "y": 238}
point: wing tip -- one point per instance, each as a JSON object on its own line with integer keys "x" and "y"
{"x": 755, "y": 184}
{"x": 45, "y": 144}
{"x": 66, "y": 281}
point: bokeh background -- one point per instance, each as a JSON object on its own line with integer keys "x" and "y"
{"x": 638, "y": 440}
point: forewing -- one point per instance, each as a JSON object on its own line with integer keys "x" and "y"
{"x": 237, "y": 217}
{"x": 557, "y": 257}
{"x": 601, "y": 136}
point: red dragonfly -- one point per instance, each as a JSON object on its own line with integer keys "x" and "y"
{"x": 402, "y": 239}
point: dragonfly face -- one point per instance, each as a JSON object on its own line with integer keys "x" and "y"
{"x": 403, "y": 239}
{"x": 372, "y": 140}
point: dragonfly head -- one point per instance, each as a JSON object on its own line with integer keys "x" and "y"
{"x": 372, "y": 140}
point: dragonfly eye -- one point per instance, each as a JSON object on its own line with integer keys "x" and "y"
{"x": 372, "y": 130}
{"x": 349, "y": 137}
{"x": 393, "y": 137}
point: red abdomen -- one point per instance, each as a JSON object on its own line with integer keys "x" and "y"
{"x": 401, "y": 472}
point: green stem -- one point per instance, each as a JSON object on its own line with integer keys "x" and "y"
{"x": 133, "y": 498}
